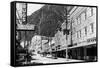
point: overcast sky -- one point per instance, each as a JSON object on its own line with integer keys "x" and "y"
{"x": 33, "y": 7}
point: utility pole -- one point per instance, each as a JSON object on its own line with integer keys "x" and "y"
{"x": 65, "y": 16}
{"x": 67, "y": 21}
{"x": 40, "y": 27}
{"x": 50, "y": 45}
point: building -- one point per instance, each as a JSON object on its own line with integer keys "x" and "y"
{"x": 35, "y": 44}
{"x": 60, "y": 42}
{"x": 40, "y": 45}
{"x": 21, "y": 17}
{"x": 82, "y": 38}
{"x": 46, "y": 48}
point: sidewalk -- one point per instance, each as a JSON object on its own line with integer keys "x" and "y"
{"x": 45, "y": 60}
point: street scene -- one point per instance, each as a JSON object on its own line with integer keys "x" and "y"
{"x": 51, "y": 34}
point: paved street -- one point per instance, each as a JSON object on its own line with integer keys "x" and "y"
{"x": 44, "y": 60}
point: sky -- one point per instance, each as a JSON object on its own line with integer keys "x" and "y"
{"x": 33, "y": 7}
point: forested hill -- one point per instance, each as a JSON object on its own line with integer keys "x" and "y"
{"x": 50, "y": 17}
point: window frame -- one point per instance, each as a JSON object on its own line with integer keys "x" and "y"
{"x": 92, "y": 27}
{"x": 89, "y": 9}
{"x": 85, "y": 30}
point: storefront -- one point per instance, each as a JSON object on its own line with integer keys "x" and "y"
{"x": 87, "y": 53}
{"x": 61, "y": 53}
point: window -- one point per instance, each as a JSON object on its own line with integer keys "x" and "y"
{"x": 91, "y": 28}
{"x": 79, "y": 34}
{"x": 78, "y": 20}
{"x": 24, "y": 9}
{"x": 89, "y": 12}
{"x": 73, "y": 30}
{"x": 76, "y": 35}
{"x": 72, "y": 21}
{"x": 75, "y": 21}
{"x": 85, "y": 30}
{"x": 83, "y": 16}
{"x": 94, "y": 10}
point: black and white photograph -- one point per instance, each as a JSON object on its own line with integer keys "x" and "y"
{"x": 47, "y": 33}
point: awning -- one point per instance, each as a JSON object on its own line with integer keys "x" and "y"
{"x": 82, "y": 45}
